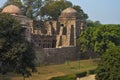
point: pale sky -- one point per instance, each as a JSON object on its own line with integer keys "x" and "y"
{"x": 106, "y": 11}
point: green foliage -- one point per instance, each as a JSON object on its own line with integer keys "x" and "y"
{"x": 47, "y": 9}
{"x": 92, "y": 71}
{"x": 67, "y": 77}
{"x": 91, "y": 23}
{"x": 52, "y": 9}
{"x": 81, "y": 13}
{"x": 74, "y": 76}
{"x": 109, "y": 66}
{"x": 82, "y": 74}
{"x": 16, "y": 54}
{"x": 31, "y": 8}
{"x": 99, "y": 39}
{"x": 13, "y": 2}
{"x": 85, "y": 41}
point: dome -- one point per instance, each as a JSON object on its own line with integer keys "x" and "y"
{"x": 69, "y": 10}
{"x": 12, "y": 9}
{"x": 69, "y": 13}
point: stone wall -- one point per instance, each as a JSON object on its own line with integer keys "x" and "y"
{"x": 55, "y": 55}
{"x": 60, "y": 55}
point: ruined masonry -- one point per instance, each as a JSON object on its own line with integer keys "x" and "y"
{"x": 55, "y": 41}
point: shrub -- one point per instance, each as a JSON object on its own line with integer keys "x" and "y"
{"x": 109, "y": 66}
{"x": 67, "y": 77}
{"x": 73, "y": 76}
{"x": 81, "y": 74}
{"x": 92, "y": 71}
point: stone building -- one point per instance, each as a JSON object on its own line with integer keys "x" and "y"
{"x": 70, "y": 27}
{"x": 54, "y": 41}
{"x": 52, "y": 34}
{"x": 62, "y": 32}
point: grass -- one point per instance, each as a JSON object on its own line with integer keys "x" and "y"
{"x": 47, "y": 72}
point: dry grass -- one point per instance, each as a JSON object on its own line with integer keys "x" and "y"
{"x": 47, "y": 72}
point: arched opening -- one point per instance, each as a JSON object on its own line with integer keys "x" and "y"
{"x": 64, "y": 31}
{"x": 72, "y": 35}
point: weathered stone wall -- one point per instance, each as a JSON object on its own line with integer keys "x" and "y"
{"x": 60, "y": 55}
{"x": 55, "y": 55}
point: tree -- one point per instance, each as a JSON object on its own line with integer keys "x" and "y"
{"x": 109, "y": 66}
{"x": 91, "y": 23}
{"x": 13, "y": 2}
{"x": 81, "y": 13}
{"x": 99, "y": 39}
{"x": 31, "y": 8}
{"x": 16, "y": 53}
{"x": 85, "y": 40}
{"x": 47, "y": 9}
{"x": 52, "y": 9}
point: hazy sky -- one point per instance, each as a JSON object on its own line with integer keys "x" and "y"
{"x": 106, "y": 11}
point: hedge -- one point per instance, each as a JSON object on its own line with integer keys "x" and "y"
{"x": 74, "y": 76}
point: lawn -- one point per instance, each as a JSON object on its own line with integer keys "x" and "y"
{"x": 47, "y": 72}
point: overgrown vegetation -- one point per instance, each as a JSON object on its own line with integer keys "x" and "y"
{"x": 103, "y": 40}
{"x": 99, "y": 39}
{"x": 16, "y": 54}
{"x": 109, "y": 66}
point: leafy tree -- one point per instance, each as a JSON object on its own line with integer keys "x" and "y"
{"x": 85, "y": 41}
{"x": 91, "y": 23}
{"x": 13, "y": 2}
{"x": 16, "y": 53}
{"x": 99, "y": 39}
{"x": 81, "y": 13}
{"x": 47, "y": 9}
{"x": 31, "y": 8}
{"x": 52, "y": 9}
{"x": 109, "y": 66}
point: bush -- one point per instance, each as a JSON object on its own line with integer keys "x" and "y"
{"x": 73, "y": 76}
{"x": 92, "y": 71}
{"x": 109, "y": 66}
{"x": 81, "y": 74}
{"x": 67, "y": 77}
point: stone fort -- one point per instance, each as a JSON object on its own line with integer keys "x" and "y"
{"x": 54, "y": 41}
{"x": 60, "y": 33}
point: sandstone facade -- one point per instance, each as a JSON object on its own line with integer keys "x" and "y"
{"x": 54, "y": 41}
{"x": 64, "y": 31}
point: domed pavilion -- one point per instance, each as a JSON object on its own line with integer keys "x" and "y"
{"x": 24, "y": 21}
